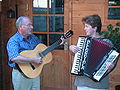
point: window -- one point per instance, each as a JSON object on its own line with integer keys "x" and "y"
{"x": 113, "y": 9}
{"x": 48, "y": 20}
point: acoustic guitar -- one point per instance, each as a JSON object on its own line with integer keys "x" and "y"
{"x": 33, "y": 70}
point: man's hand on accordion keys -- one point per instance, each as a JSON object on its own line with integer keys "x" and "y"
{"x": 74, "y": 49}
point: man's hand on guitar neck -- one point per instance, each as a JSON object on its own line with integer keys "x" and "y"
{"x": 65, "y": 36}
{"x": 63, "y": 40}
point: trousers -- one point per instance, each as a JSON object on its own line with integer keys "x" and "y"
{"x": 21, "y": 82}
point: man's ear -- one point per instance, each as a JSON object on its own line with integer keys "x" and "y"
{"x": 20, "y": 26}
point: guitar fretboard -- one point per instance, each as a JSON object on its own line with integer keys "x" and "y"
{"x": 50, "y": 48}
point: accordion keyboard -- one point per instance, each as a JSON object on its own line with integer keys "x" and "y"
{"x": 77, "y": 58}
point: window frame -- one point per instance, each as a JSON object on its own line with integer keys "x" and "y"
{"x": 106, "y": 12}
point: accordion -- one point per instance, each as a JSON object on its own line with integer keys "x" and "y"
{"x": 92, "y": 58}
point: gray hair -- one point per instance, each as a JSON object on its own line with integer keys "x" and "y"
{"x": 20, "y": 20}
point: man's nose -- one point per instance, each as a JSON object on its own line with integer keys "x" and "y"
{"x": 31, "y": 26}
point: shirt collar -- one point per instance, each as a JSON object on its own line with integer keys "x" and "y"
{"x": 21, "y": 37}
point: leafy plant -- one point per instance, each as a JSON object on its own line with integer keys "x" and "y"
{"x": 113, "y": 34}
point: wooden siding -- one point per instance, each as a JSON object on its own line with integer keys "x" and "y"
{"x": 75, "y": 10}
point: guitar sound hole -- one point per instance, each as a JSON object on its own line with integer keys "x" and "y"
{"x": 32, "y": 66}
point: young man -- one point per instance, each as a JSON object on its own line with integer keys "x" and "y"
{"x": 92, "y": 28}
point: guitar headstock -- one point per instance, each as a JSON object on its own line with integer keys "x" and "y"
{"x": 68, "y": 34}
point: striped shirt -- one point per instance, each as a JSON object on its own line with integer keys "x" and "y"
{"x": 17, "y": 44}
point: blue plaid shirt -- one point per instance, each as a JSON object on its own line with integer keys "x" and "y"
{"x": 17, "y": 44}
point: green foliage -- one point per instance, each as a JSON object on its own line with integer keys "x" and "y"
{"x": 113, "y": 33}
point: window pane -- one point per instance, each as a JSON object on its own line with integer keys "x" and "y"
{"x": 57, "y": 7}
{"x": 40, "y": 6}
{"x": 113, "y": 2}
{"x": 114, "y": 13}
{"x": 42, "y": 37}
{"x": 39, "y": 10}
{"x": 54, "y": 38}
{"x": 40, "y": 23}
{"x": 56, "y": 24}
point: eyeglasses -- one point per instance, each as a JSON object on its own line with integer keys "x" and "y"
{"x": 28, "y": 25}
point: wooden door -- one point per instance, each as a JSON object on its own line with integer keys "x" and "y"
{"x": 50, "y": 23}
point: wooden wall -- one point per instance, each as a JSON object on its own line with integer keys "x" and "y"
{"x": 8, "y": 29}
{"x": 77, "y": 10}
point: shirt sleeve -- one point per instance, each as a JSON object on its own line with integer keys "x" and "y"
{"x": 12, "y": 49}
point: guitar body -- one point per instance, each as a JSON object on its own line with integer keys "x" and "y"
{"x": 33, "y": 70}
{"x": 27, "y": 68}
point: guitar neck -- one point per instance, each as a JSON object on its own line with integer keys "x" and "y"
{"x": 51, "y": 48}
{"x": 56, "y": 44}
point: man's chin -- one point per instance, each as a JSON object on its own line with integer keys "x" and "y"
{"x": 87, "y": 34}
{"x": 29, "y": 34}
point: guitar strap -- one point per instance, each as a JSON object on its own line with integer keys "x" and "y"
{"x": 17, "y": 67}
